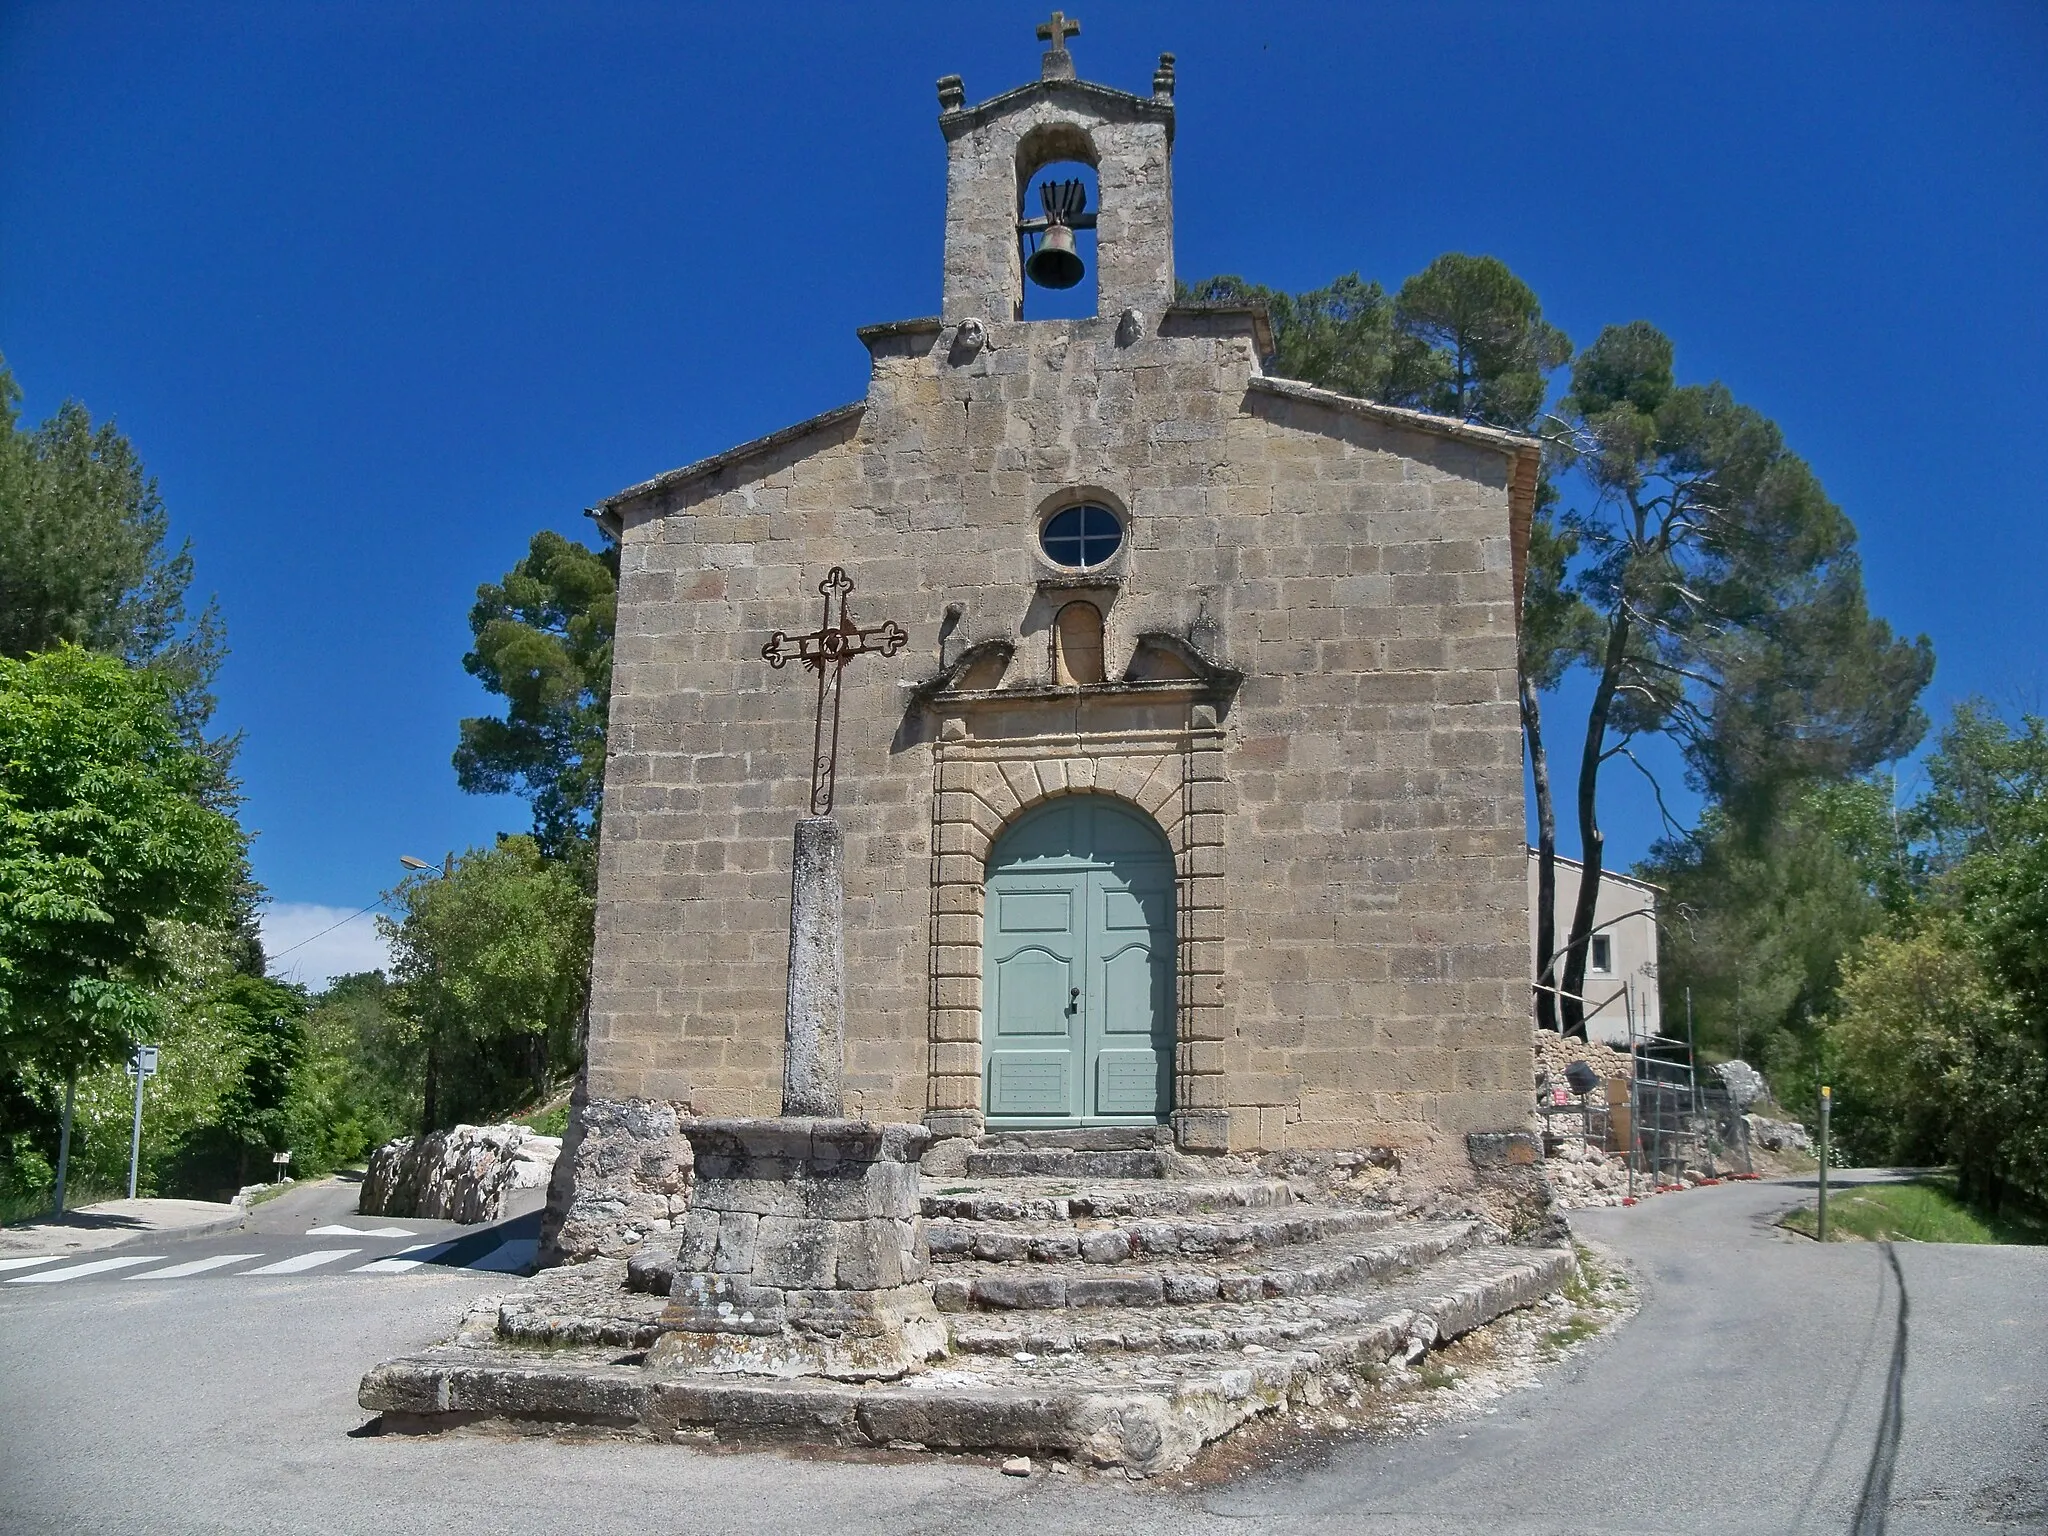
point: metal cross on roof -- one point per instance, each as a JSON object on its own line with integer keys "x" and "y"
{"x": 826, "y": 651}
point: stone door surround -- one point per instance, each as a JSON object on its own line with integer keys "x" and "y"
{"x": 991, "y": 766}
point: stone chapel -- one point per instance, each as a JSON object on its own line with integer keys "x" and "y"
{"x": 1193, "y": 799}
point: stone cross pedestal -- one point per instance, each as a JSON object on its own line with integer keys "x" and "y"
{"x": 803, "y": 1253}
{"x": 814, "y": 1026}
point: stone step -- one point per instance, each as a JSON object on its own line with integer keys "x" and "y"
{"x": 1147, "y": 1412}
{"x": 1012, "y": 1162}
{"x": 1087, "y": 1138}
{"x": 1336, "y": 1264}
{"x": 1276, "y": 1323}
{"x": 1118, "y": 1240}
{"x": 1105, "y": 1199}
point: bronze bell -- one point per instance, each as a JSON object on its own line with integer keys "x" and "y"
{"x": 1056, "y": 264}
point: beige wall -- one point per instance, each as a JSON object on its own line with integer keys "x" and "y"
{"x": 1625, "y": 911}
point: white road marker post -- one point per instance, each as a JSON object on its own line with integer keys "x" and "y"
{"x": 141, "y": 1067}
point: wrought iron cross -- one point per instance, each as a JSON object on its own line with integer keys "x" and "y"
{"x": 826, "y": 651}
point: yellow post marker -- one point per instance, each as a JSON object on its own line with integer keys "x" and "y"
{"x": 1827, "y": 1099}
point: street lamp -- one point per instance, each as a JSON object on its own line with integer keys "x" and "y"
{"x": 412, "y": 863}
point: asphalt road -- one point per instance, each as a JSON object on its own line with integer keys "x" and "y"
{"x": 1767, "y": 1386}
{"x": 312, "y": 1228}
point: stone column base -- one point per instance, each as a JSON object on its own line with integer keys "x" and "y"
{"x": 1202, "y": 1130}
{"x": 803, "y": 1253}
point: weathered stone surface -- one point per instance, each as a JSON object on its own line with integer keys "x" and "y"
{"x": 1778, "y": 1135}
{"x": 461, "y": 1174}
{"x": 1744, "y": 1083}
{"x": 1133, "y": 1389}
{"x": 814, "y": 1026}
{"x": 623, "y": 1176}
{"x": 803, "y": 1251}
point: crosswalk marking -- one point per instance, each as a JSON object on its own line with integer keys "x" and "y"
{"x": 516, "y": 1254}
{"x": 48, "y": 1258}
{"x": 404, "y": 1259}
{"x": 300, "y": 1262}
{"x": 195, "y": 1266}
{"x": 97, "y": 1267}
{"x": 338, "y": 1230}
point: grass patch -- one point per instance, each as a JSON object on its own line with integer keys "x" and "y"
{"x": 1436, "y": 1377}
{"x": 1924, "y": 1210}
{"x": 1580, "y": 1327}
{"x": 27, "y": 1206}
{"x": 548, "y": 1122}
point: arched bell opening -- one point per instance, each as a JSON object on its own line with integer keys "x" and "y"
{"x": 1078, "y": 965}
{"x": 1058, "y": 196}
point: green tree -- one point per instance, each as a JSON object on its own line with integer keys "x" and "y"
{"x": 1759, "y": 919}
{"x": 543, "y": 642}
{"x": 267, "y": 1021}
{"x": 1474, "y": 343}
{"x": 1338, "y": 337}
{"x": 1729, "y": 599}
{"x": 491, "y": 957}
{"x": 84, "y": 557}
{"x": 104, "y": 842}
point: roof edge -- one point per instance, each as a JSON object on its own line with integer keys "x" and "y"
{"x": 1608, "y": 874}
{"x": 606, "y": 511}
{"x": 1513, "y": 444}
{"x": 960, "y": 120}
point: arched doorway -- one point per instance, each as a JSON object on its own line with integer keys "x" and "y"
{"x": 1078, "y": 968}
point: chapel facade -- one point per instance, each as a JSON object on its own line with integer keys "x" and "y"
{"x": 1193, "y": 799}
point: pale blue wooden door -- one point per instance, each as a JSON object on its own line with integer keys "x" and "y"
{"x": 1077, "y": 969}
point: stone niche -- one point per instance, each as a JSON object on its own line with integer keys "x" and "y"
{"x": 803, "y": 1252}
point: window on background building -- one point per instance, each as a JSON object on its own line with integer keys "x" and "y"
{"x": 1600, "y": 955}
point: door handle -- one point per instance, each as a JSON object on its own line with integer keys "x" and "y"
{"x": 1073, "y": 996}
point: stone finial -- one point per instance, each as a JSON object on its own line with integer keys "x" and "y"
{"x": 1162, "y": 78}
{"x": 1057, "y": 63}
{"x": 952, "y": 93}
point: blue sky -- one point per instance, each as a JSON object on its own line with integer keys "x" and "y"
{"x": 378, "y": 290}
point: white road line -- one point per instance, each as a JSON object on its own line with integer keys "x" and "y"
{"x": 516, "y": 1254}
{"x": 48, "y": 1258}
{"x": 300, "y": 1262}
{"x": 341, "y": 1231}
{"x": 195, "y": 1266}
{"x": 405, "y": 1259}
{"x": 97, "y": 1267}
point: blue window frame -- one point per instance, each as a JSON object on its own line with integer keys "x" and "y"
{"x": 1081, "y": 536}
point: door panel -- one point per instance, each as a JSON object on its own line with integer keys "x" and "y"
{"x": 1077, "y": 970}
{"x": 1128, "y": 1083}
{"x": 1030, "y": 1083}
{"x": 1033, "y": 990}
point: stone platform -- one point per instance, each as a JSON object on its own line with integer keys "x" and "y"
{"x": 1109, "y": 1302}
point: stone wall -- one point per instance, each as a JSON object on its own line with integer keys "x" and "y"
{"x": 1365, "y": 953}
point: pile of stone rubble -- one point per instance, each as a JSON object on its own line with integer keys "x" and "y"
{"x": 1091, "y": 1295}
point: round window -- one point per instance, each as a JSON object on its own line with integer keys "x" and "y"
{"x": 1081, "y": 536}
